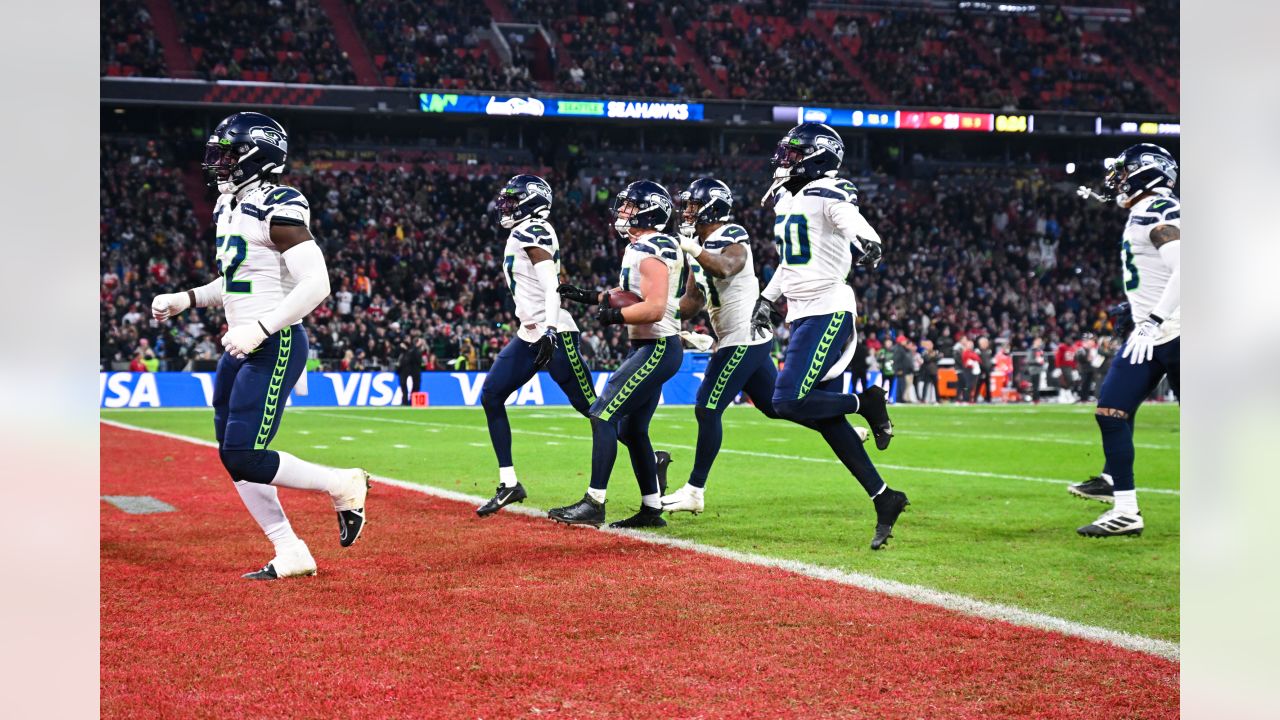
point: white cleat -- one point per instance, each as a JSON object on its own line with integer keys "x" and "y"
{"x": 862, "y": 433}
{"x": 1113, "y": 523}
{"x": 350, "y": 507}
{"x": 687, "y": 499}
{"x": 295, "y": 562}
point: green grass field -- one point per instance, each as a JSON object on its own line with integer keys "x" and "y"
{"x": 990, "y": 516}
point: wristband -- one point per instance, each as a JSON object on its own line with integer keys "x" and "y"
{"x": 192, "y": 295}
{"x": 1155, "y": 319}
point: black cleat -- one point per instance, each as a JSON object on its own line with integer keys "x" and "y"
{"x": 664, "y": 459}
{"x": 1095, "y": 488}
{"x": 584, "y": 512}
{"x": 502, "y": 498}
{"x": 889, "y": 505}
{"x": 266, "y": 573}
{"x": 1113, "y": 523}
{"x": 875, "y": 409}
{"x": 350, "y": 509}
{"x": 647, "y": 517}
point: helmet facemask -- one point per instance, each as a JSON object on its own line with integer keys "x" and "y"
{"x": 506, "y": 205}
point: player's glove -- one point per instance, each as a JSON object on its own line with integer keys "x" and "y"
{"x": 606, "y": 315}
{"x": 763, "y": 318}
{"x": 169, "y": 304}
{"x": 577, "y": 294}
{"x": 690, "y": 244}
{"x": 1141, "y": 346}
{"x": 1121, "y": 316}
{"x": 244, "y": 339}
{"x": 545, "y": 348}
{"x": 871, "y": 254}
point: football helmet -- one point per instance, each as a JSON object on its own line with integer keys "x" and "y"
{"x": 809, "y": 150}
{"x": 1138, "y": 169}
{"x": 652, "y": 207}
{"x": 245, "y": 148}
{"x": 524, "y": 196}
{"x": 706, "y": 201}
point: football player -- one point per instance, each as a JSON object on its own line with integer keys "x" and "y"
{"x": 1141, "y": 179}
{"x": 547, "y": 337}
{"x": 722, "y": 277}
{"x": 654, "y": 269}
{"x": 818, "y": 229}
{"x": 272, "y": 274}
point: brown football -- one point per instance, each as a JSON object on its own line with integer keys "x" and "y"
{"x": 619, "y": 298}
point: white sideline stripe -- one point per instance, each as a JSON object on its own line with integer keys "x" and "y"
{"x": 751, "y": 453}
{"x": 916, "y": 593}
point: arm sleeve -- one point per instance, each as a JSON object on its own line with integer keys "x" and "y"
{"x": 306, "y": 263}
{"x": 209, "y": 294}
{"x": 1171, "y": 298}
{"x": 546, "y": 272}
{"x": 773, "y": 290}
{"x": 850, "y": 222}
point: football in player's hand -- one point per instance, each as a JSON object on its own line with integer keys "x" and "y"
{"x": 619, "y": 298}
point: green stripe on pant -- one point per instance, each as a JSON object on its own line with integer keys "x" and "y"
{"x": 726, "y": 372}
{"x": 273, "y": 389}
{"x": 575, "y": 362}
{"x": 820, "y": 354}
{"x": 659, "y": 349}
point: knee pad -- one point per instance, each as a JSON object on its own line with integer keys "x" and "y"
{"x": 1112, "y": 421}
{"x": 789, "y": 409}
{"x": 256, "y": 466}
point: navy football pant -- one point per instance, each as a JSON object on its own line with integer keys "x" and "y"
{"x": 731, "y": 370}
{"x": 799, "y": 396}
{"x": 623, "y": 411}
{"x": 514, "y": 367}
{"x": 249, "y": 396}
{"x": 1123, "y": 390}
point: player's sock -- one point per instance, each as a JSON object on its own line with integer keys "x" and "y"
{"x": 263, "y": 503}
{"x": 604, "y": 452}
{"x": 507, "y": 476}
{"x": 596, "y": 494}
{"x": 302, "y": 475}
{"x": 1127, "y": 501}
{"x": 710, "y": 436}
{"x": 653, "y": 500}
{"x": 1108, "y": 478}
{"x": 1117, "y": 445}
{"x": 840, "y": 435}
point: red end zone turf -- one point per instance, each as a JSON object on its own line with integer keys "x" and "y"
{"x": 435, "y": 613}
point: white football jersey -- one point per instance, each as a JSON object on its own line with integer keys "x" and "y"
{"x": 254, "y": 277}
{"x": 731, "y": 300}
{"x": 664, "y": 248}
{"x": 1145, "y": 274}
{"x": 818, "y": 233}
{"x": 526, "y": 288}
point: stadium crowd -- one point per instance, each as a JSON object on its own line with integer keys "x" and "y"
{"x": 771, "y": 50}
{"x": 996, "y": 257}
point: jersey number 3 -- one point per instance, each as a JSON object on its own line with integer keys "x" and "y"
{"x": 231, "y": 252}
{"x": 791, "y": 232}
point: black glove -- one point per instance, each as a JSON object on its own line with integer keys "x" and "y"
{"x": 545, "y": 348}
{"x": 606, "y": 315}
{"x": 577, "y": 294}
{"x": 1121, "y": 316}
{"x": 870, "y": 256}
{"x": 763, "y": 318}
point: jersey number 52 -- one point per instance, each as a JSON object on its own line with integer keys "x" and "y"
{"x": 232, "y": 250}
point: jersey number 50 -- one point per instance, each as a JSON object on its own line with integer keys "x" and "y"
{"x": 791, "y": 233}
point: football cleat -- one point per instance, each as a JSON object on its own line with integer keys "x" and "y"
{"x": 1095, "y": 488}
{"x": 686, "y": 499}
{"x": 889, "y": 505}
{"x": 294, "y": 563}
{"x": 502, "y": 498}
{"x": 664, "y": 459}
{"x": 647, "y": 517}
{"x": 1112, "y": 523}
{"x": 584, "y": 512}
{"x": 350, "y": 508}
{"x": 873, "y": 407}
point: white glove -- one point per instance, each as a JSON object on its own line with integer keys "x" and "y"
{"x": 697, "y": 341}
{"x": 1141, "y": 345}
{"x": 167, "y": 305}
{"x": 690, "y": 245}
{"x": 243, "y": 339}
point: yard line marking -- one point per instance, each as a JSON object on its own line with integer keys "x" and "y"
{"x": 750, "y": 453}
{"x": 917, "y": 593}
{"x": 400, "y": 447}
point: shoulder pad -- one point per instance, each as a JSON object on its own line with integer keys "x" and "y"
{"x": 833, "y": 188}
{"x": 535, "y": 232}
{"x": 734, "y": 232}
{"x": 660, "y": 246}
{"x": 660, "y": 240}
{"x": 1165, "y": 209}
{"x": 282, "y": 195}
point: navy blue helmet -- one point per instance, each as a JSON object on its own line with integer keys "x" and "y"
{"x": 245, "y": 147}
{"x": 1138, "y": 169}
{"x": 809, "y": 150}
{"x": 653, "y": 207}
{"x": 524, "y": 196}
{"x": 706, "y": 201}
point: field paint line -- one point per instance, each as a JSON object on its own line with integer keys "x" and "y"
{"x": 916, "y": 593}
{"x": 750, "y": 453}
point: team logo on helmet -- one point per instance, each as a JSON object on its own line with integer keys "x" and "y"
{"x": 539, "y": 189}
{"x": 720, "y": 193}
{"x": 829, "y": 143}
{"x": 270, "y": 136}
{"x": 661, "y": 201}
